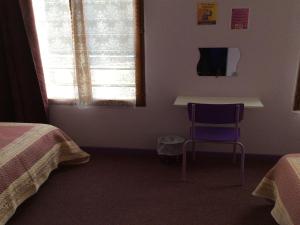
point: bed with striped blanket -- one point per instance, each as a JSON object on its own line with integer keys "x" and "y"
{"x": 282, "y": 185}
{"x": 28, "y": 154}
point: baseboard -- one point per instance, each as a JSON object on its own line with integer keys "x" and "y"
{"x": 124, "y": 151}
{"x": 152, "y": 152}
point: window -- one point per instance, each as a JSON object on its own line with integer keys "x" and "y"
{"x": 92, "y": 50}
{"x": 297, "y": 95}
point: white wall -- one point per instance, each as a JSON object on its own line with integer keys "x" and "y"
{"x": 267, "y": 69}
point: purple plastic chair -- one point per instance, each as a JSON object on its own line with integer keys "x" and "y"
{"x": 217, "y": 123}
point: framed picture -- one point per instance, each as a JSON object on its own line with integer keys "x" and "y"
{"x": 240, "y": 19}
{"x": 207, "y": 13}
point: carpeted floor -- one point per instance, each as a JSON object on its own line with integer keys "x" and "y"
{"x": 122, "y": 189}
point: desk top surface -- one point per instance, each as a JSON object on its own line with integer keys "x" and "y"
{"x": 249, "y": 102}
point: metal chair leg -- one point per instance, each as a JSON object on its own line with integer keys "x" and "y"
{"x": 194, "y": 150}
{"x": 234, "y": 154}
{"x": 242, "y": 149}
{"x": 183, "y": 169}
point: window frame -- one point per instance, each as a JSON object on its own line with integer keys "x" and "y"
{"x": 140, "y": 54}
{"x": 140, "y": 86}
{"x": 297, "y": 93}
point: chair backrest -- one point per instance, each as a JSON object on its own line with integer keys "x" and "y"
{"x": 216, "y": 113}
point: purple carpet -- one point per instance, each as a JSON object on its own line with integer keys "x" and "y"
{"x": 137, "y": 189}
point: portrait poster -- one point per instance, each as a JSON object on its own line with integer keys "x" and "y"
{"x": 240, "y": 19}
{"x": 207, "y": 13}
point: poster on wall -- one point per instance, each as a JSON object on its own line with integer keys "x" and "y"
{"x": 207, "y": 13}
{"x": 240, "y": 19}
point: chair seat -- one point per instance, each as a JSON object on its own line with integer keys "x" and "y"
{"x": 216, "y": 134}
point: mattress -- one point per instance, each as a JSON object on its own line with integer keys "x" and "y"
{"x": 28, "y": 154}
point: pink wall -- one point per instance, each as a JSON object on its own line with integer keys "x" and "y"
{"x": 267, "y": 69}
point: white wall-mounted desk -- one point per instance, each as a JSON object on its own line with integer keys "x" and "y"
{"x": 249, "y": 102}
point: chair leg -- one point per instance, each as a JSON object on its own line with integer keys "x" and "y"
{"x": 194, "y": 150}
{"x": 242, "y": 149}
{"x": 183, "y": 169}
{"x": 234, "y": 153}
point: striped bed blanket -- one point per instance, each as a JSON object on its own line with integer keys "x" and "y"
{"x": 282, "y": 185}
{"x": 28, "y": 154}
